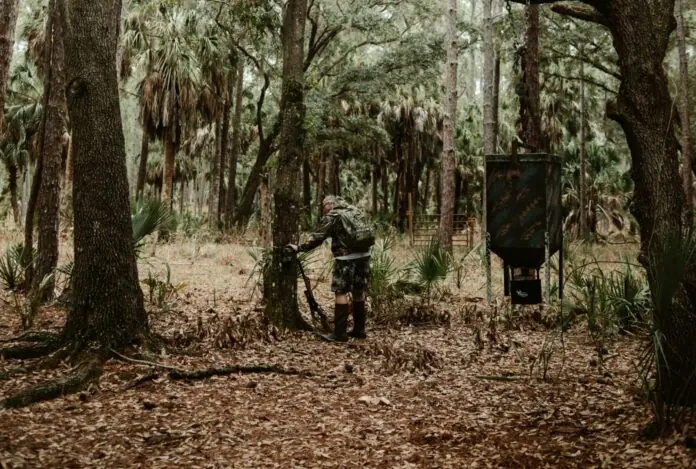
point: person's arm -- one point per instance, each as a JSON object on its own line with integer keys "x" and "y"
{"x": 320, "y": 234}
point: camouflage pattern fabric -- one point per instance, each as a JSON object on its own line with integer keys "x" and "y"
{"x": 350, "y": 275}
{"x": 331, "y": 226}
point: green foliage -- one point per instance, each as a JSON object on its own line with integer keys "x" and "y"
{"x": 12, "y": 269}
{"x": 431, "y": 266}
{"x": 161, "y": 290}
{"x": 383, "y": 275}
{"x": 147, "y": 217}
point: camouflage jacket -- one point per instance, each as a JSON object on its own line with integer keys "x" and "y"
{"x": 332, "y": 227}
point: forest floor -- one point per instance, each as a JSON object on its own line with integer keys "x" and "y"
{"x": 474, "y": 389}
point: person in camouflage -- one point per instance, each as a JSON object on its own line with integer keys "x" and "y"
{"x": 351, "y": 272}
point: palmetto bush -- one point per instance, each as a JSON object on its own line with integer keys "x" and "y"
{"x": 431, "y": 266}
{"x": 12, "y": 269}
{"x": 147, "y": 217}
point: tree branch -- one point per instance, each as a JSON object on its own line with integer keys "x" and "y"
{"x": 581, "y": 12}
{"x": 588, "y": 61}
{"x": 589, "y": 81}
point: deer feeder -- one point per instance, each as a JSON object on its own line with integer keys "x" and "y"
{"x": 524, "y": 222}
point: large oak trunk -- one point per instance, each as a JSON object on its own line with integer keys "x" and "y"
{"x": 641, "y": 32}
{"x": 280, "y": 281}
{"x": 52, "y": 149}
{"x": 107, "y": 302}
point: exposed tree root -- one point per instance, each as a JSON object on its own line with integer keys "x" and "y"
{"x": 87, "y": 373}
{"x": 229, "y": 370}
{"x": 177, "y": 373}
{"x": 33, "y": 336}
{"x": 24, "y": 352}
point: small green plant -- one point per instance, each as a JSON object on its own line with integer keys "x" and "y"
{"x": 162, "y": 291}
{"x": 147, "y": 217}
{"x": 431, "y": 266}
{"x": 385, "y": 276}
{"x": 12, "y": 269}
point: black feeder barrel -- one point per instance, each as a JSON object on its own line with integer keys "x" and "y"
{"x": 524, "y": 203}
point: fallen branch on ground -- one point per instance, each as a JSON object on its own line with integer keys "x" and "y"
{"x": 230, "y": 370}
{"x": 499, "y": 378}
{"x": 25, "y": 352}
{"x": 86, "y": 374}
{"x": 177, "y": 373}
{"x": 33, "y": 336}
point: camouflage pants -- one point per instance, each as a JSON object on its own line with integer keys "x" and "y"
{"x": 350, "y": 275}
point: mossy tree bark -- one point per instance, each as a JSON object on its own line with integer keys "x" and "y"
{"x": 280, "y": 280}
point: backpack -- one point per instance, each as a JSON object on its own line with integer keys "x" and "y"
{"x": 360, "y": 234}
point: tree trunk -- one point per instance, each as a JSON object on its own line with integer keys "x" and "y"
{"x": 8, "y": 21}
{"x": 236, "y": 143}
{"x": 684, "y": 113}
{"x": 384, "y": 173}
{"x": 169, "y": 165}
{"x": 182, "y": 195}
{"x": 331, "y": 172}
{"x": 426, "y": 190}
{"x": 321, "y": 184}
{"x": 266, "y": 149}
{"x": 49, "y": 189}
{"x": 107, "y": 304}
{"x": 449, "y": 126}
{"x": 375, "y": 181}
{"x": 529, "y": 122}
{"x": 306, "y": 194}
{"x": 265, "y": 212}
{"x": 213, "y": 189}
{"x": 280, "y": 282}
{"x": 472, "y": 57}
{"x": 582, "y": 190}
{"x": 496, "y": 96}
{"x": 641, "y": 31}
{"x": 12, "y": 176}
{"x": 224, "y": 148}
{"x": 45, "y": 133}
{"x": 489, "y": 124}
{"x": 142, "y": 166}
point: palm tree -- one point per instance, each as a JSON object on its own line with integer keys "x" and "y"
{"x": 22, "y": 118}
{"x": 169, "y": 92}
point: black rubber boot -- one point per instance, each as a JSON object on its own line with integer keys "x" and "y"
{"x": 358, "y": 331}
{"x": 340, "y": 324}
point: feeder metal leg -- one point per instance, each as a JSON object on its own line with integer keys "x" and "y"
{"x": 489, "y": 288}
{"x": 547, "y": 270}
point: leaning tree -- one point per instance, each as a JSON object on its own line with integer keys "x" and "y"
{"x": 641, "y": 30}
